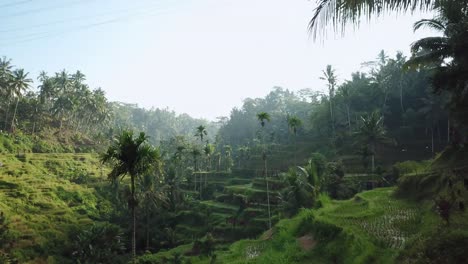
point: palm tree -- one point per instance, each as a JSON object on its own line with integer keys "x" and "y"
{"x": 297, "y": 193}
{"x": 345, "y": 90}
{"x": 372, "y": 132}
{"x": 201, "y": 132}
{"x": 195, "y": 154}
{"x": 311, "y": 172}
{"x": 133, "y": 156}
{"x": 6, "y": 90}
{"x": 339, "y": 13}
{"x": 150, "y": 196}
{"x": 19, "y": 83}
{"x": 262, "y": 117}
{"x": 294, "y": 123}
{"x": 330, "y": 77}
{"x": 433, "y": 112}
{"x": 208, "y": 150}
{"x": 446, "y": 55}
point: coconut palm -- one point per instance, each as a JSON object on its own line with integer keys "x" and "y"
{"x": 294, "y": 123}
{"x": 6, "y": 90}
{"x": 195, "y": 154}
{"x": 19, "y": 83}
{"x": 201, "y": 132}
{"x": 446, "y": 55}
{"x": 262, "y": 117}
{"x": 372, "y": 133}
{"x": 131, "y": 156}
{"x": 208, "y": 150}
{"x": 339, "y": 13}
{"x": 297, "y": 193}
{"x": 330, "y": 77}
{"x": 151, "y": 196}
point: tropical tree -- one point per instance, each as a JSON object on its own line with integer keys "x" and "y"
{"x": 446, "y": 55}
{"x": 196, "y": 153}
{"x": 330, "y": 77}
{"x": 6, "y": 90}
{"x": 372, "y": 132}
{"x": 339, "y": 13}
{"x": 262, "y": 117}
{"x": 19, "y": 83}
{"x": 294, "y": 123}
{"x": 297, "y": 193}
{"x": 201, "y": 132}
{"x": 131, "y": 156}
{"x": 99, "y": 243}
{"x": 345, "y": 92}
{"x": 151, "y": 195}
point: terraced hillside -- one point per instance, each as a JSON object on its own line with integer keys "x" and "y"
{"x": 373, "y": 227}
{"x": 41, "y": 197}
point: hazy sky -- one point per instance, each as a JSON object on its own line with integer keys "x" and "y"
{"x": 201, "y": 57}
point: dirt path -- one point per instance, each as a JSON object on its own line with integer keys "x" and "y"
{"x": 307, "y": 242}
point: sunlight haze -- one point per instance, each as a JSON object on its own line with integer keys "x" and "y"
{"x": 186, "y": 55}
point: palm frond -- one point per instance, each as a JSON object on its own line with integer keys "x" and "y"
{"x": 429, "y": 23}
{"x": 338, "y": 13}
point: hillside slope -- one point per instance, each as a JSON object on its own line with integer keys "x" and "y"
{"x": 41, "y": 198}
{"x": 373, "y": 227}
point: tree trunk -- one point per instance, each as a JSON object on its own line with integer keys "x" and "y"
{"x": 401, "y": 97}
{"x": 267, "y": 190}
{"x": 373, "y": 163}
{"x": 295, "y": 149}
{"x": 133, "y": 205}
{"x": 384, "y": 105}
{"x": 432, "y": 140}
{"x": 6, "y": 115}
{"x": 331, "y": 117}
{"x": 147, "y": 230}
{"x": 349, "y": 118}
{"x": 200, "y": 187}
{"x": 448, "y": 130}
{"x": 14, "y": 115}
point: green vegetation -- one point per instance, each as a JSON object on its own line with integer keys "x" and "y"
{"x": 374, "y": 171}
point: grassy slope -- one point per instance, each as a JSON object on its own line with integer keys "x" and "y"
{"x": 373, "y": 227}
{"x": 40, "y": 202}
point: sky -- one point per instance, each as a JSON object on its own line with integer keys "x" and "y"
{"x": 198, "y": 57}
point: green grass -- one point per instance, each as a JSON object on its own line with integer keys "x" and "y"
{"x": 372, "y": 227}
{"x": 41, "y": 203}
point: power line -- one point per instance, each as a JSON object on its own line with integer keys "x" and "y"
{"x": 37, "y": 10}
{"x": 43, "y": 35}
{"x": 15, "y": 3}
{"x": 55, "y": 22}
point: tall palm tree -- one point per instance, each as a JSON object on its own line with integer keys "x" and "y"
{"x": 195, "y": 154}
{"x": 345, "y": 91}
{"x": 20, "y": 82}
{"x": 330, "y": 77}
{"x": 131, "y": 156}
{"x": 433, "y": 112}
{"x": 262, "y": 117}
{"x": 372, "y": 132}
{"x": 6, "y": 90}
{"x": 201, "y": 132}
{"x": 294, "y": 123}
{"x": 446, "y": 55}
{"x": 208, "y": 151}
{"x": 150, "y": 196}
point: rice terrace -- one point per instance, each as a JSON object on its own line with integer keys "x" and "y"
{"x": 224, "y": 131}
